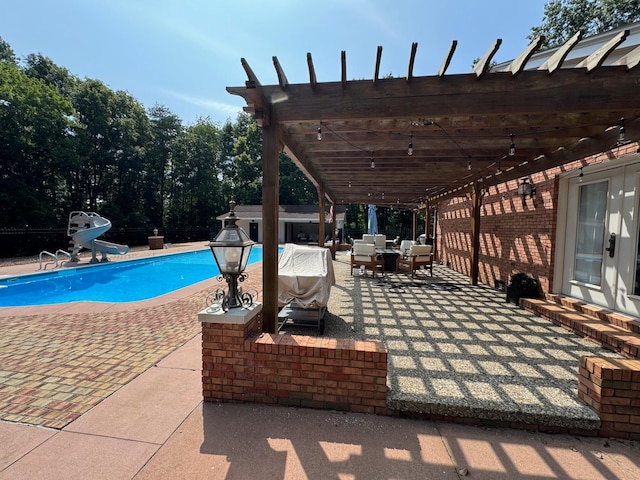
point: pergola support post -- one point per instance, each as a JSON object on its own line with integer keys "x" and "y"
{"x": 271, "y": 147}
{"x": 321, "y": 205}
{"x": 476, "y": 200}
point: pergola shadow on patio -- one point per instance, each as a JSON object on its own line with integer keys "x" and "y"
{"x": 459, "y": 350}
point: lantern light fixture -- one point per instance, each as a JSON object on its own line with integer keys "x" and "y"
{"x": 526, "y": 189}
{"x": 231, "y": 248}
{"x": 622, "y": 133}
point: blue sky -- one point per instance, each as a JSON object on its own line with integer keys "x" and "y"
{"x": 183, "y": 53}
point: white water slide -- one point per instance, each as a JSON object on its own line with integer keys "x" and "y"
{"x": 84, "y": 228}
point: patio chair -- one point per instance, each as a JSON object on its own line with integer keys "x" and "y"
{"x": 380, "y": 241}
{"x": 365, "y": 255}
{"x": 369, "y": 238}
{"x": 418, "y": 256}
{"x": 405, "y": 246}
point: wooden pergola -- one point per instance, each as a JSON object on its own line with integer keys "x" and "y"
{"x": 414, "y": 141}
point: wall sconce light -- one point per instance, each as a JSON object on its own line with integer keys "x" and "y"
{"x": 622, "y": 133}
{"x": 526, "y": 189}
{"x": 231, "y": 249}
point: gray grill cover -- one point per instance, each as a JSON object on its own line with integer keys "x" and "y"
{"x": 305, "y": 274}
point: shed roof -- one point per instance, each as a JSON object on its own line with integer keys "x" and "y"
{"x": 290, "y": 213}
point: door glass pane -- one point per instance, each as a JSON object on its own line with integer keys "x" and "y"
{"x": 592, "y": 207}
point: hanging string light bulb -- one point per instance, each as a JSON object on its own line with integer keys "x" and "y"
{"x": 512, "y": 146}
{"x": 469, "y": 164}
{"x": 373, "y": 163}
{"x": 410, "y": 150}
{"x": 349, "y": 183}
{"x": 319, "y": 136}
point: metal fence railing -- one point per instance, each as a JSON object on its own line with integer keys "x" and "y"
{"x": 28, "y": 241}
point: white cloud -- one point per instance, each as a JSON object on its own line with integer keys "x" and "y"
{"x": 206, "y": 104}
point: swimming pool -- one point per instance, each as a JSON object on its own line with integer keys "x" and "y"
{"x": 125, "y": 281}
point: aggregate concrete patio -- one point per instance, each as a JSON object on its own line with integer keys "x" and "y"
{"x": 458, "y": 350}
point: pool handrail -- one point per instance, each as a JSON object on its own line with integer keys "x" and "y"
{"x": 54, "y": 256}
{"x": 45, "y": 252}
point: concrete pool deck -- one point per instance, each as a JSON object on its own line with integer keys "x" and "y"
{"x": 118, "y": 393}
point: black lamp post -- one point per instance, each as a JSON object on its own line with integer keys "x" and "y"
{"x": 231, "y": 249}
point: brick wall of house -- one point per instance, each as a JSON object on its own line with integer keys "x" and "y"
{"x": 240, "y": 364}
{"x": 514, "y": 237}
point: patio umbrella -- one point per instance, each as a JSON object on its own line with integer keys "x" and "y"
{"x": 372, "y": 221}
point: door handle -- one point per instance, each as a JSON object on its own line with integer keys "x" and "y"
{"x": 612, "y": 245}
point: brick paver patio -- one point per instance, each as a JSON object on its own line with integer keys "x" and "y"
{"x": 55, "y": 367}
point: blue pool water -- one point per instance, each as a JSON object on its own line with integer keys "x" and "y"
{"x": 126, "y": 281}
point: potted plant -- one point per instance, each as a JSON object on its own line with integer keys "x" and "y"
{"x": 520, "y": 286}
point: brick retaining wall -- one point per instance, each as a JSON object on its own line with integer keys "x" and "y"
{"x": 241, "y": 364}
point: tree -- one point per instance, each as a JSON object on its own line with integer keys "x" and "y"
{"x": 35, "y": 126}
{"x": 195, "y": 195}
{"x": 295, "y": 188}
{"x": 39, "y": 66}
{"x": 6, "y": 52}
{"x": 130, "y": 131}
{"x": 563, "y": 18}
{"x": 166, "y": 129}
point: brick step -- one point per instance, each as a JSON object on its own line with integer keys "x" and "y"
{"x": 618, "y": 319}
{"x": 609, "y": 335}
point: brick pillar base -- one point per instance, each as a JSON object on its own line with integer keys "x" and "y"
{"x": 611, "y": 386}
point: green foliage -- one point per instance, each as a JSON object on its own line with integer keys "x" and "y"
{"x": 35, "y": 122}
{"x": 6, "y": 52}
{"x": 295, "y": 188}
{"x": 563, "y": 18}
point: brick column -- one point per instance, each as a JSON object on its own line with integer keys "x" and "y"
{"x": 223, "y": 357}
{"x": 611, "y": 386}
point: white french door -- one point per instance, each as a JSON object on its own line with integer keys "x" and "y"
{"x": 601, "y": 239}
